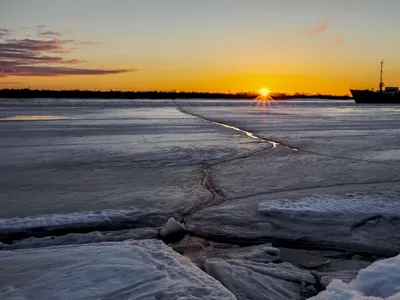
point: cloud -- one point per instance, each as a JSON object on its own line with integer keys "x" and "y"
{"x": 320, "y": 28}
{"x": 50, "y": 33}
{"x": 73, "y": 61}
{"x": 32, "y": 45}
{"x": 4, "y": 33}
{"x": 333, "y": 42}
{"x": 87, "y": 43}
{"x": 43, "y": 56}
{"x": 63, "y": 51}
{"x": 60, "y": 71}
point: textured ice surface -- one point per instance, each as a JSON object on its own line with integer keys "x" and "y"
{"x": 83, "y": 238}
{"x": 199, "y": 251}
{"x": 59, "y": 220}
{"x": 102, "y": 159}
{"x": 146, "y": 269}
{"x": 381, "y": 280}
{"x": 384, "y": 203}
{"x": 84, "y": 227}
{"x": 259, "y": 281}
{"x": 361, "y": 222}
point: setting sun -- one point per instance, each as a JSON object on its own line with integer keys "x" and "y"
{"x": 264, "y": 92}
{"x": 264, "y": 98}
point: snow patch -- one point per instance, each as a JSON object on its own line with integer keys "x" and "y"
{"x": 381, "y": 280}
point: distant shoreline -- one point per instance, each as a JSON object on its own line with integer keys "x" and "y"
{"x": 83, "y": 94}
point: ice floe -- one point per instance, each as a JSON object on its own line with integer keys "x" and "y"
{"x": 358, "y": 222}
{"x": 145, "y": 269}
{"x": 82, "y": 222}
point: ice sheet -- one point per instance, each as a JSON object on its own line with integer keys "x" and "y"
{"x": 352, "y": 221}
{"x": 15, "y": 229}
{"x": 32, "y": 118}
{"x": 146, "y": 269}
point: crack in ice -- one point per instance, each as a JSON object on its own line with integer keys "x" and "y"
{"x": 247, "y": 133}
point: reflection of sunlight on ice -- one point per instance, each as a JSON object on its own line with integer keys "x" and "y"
{"x": 32, "y": 118}
{"x": 263, "y": 101}
{"x": 249, "y": 134}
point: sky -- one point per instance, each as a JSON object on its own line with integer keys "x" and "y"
{"x": 308, "y": 46}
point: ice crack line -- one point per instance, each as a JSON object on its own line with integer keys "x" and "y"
{"x": 248, "y": 133}
{"x": 215, "y": 198}
{"x": 276, "y": 144}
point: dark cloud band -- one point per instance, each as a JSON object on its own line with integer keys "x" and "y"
{"x": 35, "y": 57}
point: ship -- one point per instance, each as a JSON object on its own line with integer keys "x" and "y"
{"x": 389, "y": 95}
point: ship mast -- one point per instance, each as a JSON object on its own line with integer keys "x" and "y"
{"x": 381, "y": 80}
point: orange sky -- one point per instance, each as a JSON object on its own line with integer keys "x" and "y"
{"x": 224, "y": 46}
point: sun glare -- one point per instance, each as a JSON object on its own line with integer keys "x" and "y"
{"x": 264, "y": 92}
{"x": 264, "y": 98}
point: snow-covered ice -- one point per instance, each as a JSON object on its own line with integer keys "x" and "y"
{"x": 134, "y": 270}
{"x": 379, "y": 281}
{"x": 258, "y": 281}
{"x": 83, "y": 238}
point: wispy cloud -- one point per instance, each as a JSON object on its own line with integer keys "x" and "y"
{"x": 60, "y": 71}
{"x": 87, "y": 43}
{"x": 36, "y": 56}
{"x": 4, "y": 33}
{"x": 74, "y": 61}
{"x": 333, "y": 42}
{"x": 50, "y": 33}
{"x": 320, "y": 28}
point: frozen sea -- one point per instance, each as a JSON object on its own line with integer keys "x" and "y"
{"x": 96, "y": 179}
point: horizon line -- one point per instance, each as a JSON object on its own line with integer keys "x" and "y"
{"x": 248, "y": 93}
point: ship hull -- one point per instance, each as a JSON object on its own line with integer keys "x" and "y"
{"x": 366, "y": 96}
